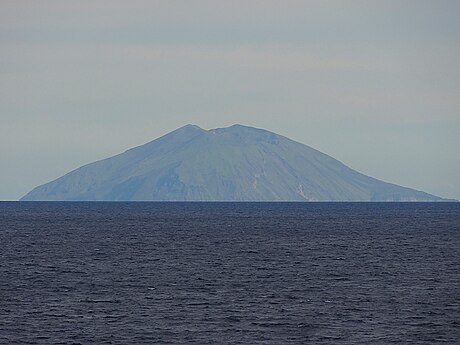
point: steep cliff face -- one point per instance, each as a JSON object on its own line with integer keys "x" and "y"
{"x": 237, "y": 163}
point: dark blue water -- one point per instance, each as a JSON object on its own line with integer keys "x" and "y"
{"x": 229, "y": 273}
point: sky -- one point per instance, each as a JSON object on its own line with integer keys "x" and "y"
{"x": 375, "y": 84}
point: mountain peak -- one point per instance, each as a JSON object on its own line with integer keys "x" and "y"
{"x": 243, "y": 135}
{"x": 235, "y": 163}
{"x": 237, "y": 127}
{"x": 190, "y": 127}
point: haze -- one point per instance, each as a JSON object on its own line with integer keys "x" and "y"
{"x": 376, "y": 84}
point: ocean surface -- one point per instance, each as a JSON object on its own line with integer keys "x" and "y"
{"x": 229, "y": 273}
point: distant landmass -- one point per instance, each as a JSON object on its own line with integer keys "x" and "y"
{"x": 236, "y": 163}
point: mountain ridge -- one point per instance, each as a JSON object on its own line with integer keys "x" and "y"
{"x": 236, "y": 163}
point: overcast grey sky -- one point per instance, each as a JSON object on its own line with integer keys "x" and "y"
{"x": 375, "y": 84}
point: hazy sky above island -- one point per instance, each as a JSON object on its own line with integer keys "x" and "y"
{"x": 375, "y": 84}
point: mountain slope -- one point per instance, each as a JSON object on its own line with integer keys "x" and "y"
{"x": 236, "y": 163}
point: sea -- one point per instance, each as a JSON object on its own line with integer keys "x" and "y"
{"x": 229, "y": 273}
